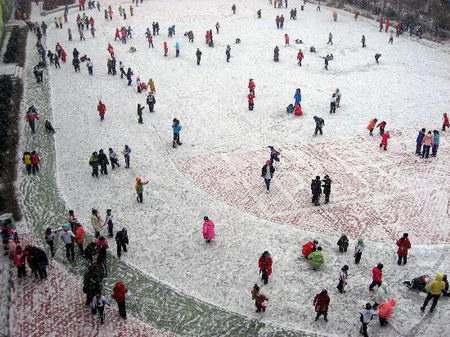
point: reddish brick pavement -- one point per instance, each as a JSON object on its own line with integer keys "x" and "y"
{"x": 55, "y": 307}
{"x": 375, "y": 194}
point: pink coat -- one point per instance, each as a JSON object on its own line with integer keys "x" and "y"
{"x": 428, "y": 139}
{"x": 208, "y": 230}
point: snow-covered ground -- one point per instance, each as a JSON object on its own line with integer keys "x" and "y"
{"x": 216, "y": 172}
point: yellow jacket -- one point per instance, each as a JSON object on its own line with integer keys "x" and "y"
{"x": 27, "y": 159}
{"x": 436, "y": 286}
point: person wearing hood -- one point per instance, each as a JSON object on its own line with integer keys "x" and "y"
{"x": 316, "y": 190}
{"x": 436, "y": 142}
{"x": 434, "y": 292}
{"x": 359, "y": 248}
{"x": 208, "y": 230}
{"x": 419, "y": 141}
{"x": 265, "y": 266}
{"x": 316, "y": 258}
{"x": 327, "y": 189}
{"x": 309, "y": 247}
{"x": 139, "y": 187}
{"x": 267, "y": 172}
{"x": 320, "y": 123}
{"x": 385, "y": 311}
{"x": 343, "y": 243}
{"x": 321, "y": 303}
{"x": 119, "y": 294}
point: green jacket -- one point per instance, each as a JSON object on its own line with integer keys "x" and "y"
{"x": 316, "y": 259}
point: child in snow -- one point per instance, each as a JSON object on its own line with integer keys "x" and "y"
{"x": 151, "y": 100}
{"x": 101, "y": 108}
{"x": 403, "y": 245}
{"x": 435, "y": 143}
{"x": 109, "y": 220}
{"x": 359, "y": 248}
{"x": 367, "y": 314}
{"x": 126, "y": 154}
{"x": 446, "y": 122}
{"x": 176, "y": 127}
{"x": 321, "y": 303}
{"x": 274, "y": 155}
{"x": 327, "y": 189}
{"x": 94, "y": 162}
{"x": 267, "y": 172}
{"x": 382, "y": 126}
{"x": 309, "y": 247}
{"x": 98, "y": 305}
{"x": 50, "y": 239}
{"x": 259, "y": 299}
{"x": 290, "y": 108}
{"x": 79, "y": 237}
{"x": 384, "y": 140}
{"x": 343, "y": 243}
{"x": 251, "y": 103}
{"x": 208, "y": 230}
{"x": 434, "y": 292}
{"x": 265, "y": 266}
{"x": 251, "y": 86}
{"x": 343, "y": 275}
{"x": 427, "y": 143}
{"x": 316, "y": 258}
{"x": 19, "y": 256}
{"x": 319, "y": 124}
{"x": 121, "y": 241}
{"x": 371, "y": 125}
{"x": 385, "y": 311}
{"x": 377, "y": 276}
{"x": 139, "y": 187}
{"x": 419, "y": 141}
{"x": 113, "y": 159}
{"x": 139, "y": 112}
{"x": 26, "y": 159}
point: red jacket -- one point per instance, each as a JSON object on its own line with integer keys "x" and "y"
{"x": 166, "y": 49}
{"x": 321, "y": 302}
{"x": 110, "y": 49}
{"x": 101, "y": 108}
{"x": 119, "y": 292}
{"x": 250, "y": 98}
{"x": 91, "y": 22}
{"x": 19, "y": 259}
{"x": 251, "y": 85}
{"x": 384, "y": 139}
{"x": 377, "y": 274}
{"x": 31, "y": 117}
{"x": 265, "y": 263}
{"x": 308, "y": 248}
{"x": 116, "y": 35}
{"x": 35, "y": 159}
{"x": 403, "y": 245}
{"x": 381, "y": 22}
{"x": 286, "y": 39}
{"x": 446, "y": 122}
{"x": 300, "y": 56}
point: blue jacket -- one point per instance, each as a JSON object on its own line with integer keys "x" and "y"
{"x": 177, "y": 46}
{"x": 176, "y": 128}
{"x": 437, "y": 137}
{"x": 298, "y": 97}
{"x": 420, "y": 137}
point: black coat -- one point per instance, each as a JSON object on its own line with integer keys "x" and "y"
{"x": 316, "y": 186}
{"x": 264, "y": 171}
{"x": 103, "y": 159}
{"x": 327, "y": 186}
{"x": 121, "y": 237}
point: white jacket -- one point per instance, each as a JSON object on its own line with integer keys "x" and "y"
{"x": 101, "y": 302}
{"x": 67, "y": 237}
{"x": 367, "y": 315}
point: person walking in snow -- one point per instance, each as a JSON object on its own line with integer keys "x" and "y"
{"x": 166, "y": 49}
{"x": 333, "y": 103}
{"x": 103, "y": 161}
{"x": 101, "y": 108}
{"x": 176, "y": 128}
{"x": 69, "y": 240}
{"x": 427, "y": 143}
{"x": 445, "y": 121}
{"x": 259, "y": 299}
{"x": 319, "y": 124}
{"x": 109, "y": 220}
{"x": 31, "y": 116}
{"x": 327, "y": 188}
{"x": 286, "y": 40}
{"x": 50, "y": 239}
{"x": 377, "y": 276}
{"x": 139, "y": 113}
{"x": 129, "y": 75}
{"x": 198, "y": 54}
{"x": 139, "y": 187}
{"x": 267, "y": 172}
{"x": 434, "y": 289}
{"x": 217, "y": 27}
{"x": 436, "y": 142}
{"x": 377, "y": 57}
{"x": 208, "y": 230}
{"x": 127, "y": 154}
{"x": 359, "y": 248}
{"x": 281, "y": 21}
{"x": 382, "y": 126}
{"x": 274, "y": 155}
{"x": 98, "y": 306}
{"x": 79, "y": 238}
{"x": 316, "y": 190}
{"x": 35, "y": 161}
{"x": 228, "y": 53}
{"x": 343, "y": 243}
{"x": 384, "y": 140}
{"x": 403, "y": 245}
{"x": 93, "y": 162}
{"x": 151, "y": 100}
{"x": 121, "y": 241}
{"x": 233, "y": 8}
{"x": 371, "y": 126}
{"x": 177, "y": 49}
{"x": 330, "y": 39}
{"x": 343, "y": 275}
{"x": 419, "y": 141}
{"x": 119, "y": 294}
{"x": 300, "y": 57}
{"x": 265, "y": 266}
{"x": 321, "y": 303}
{"x": 113, "y": 158}
{"x": 276, "y": 54}
{"x": 391, "y": 37}
{"x": 367, "y": 314}
{"x": 363, "y": 41}
{"x": 18, "y": 258}
{"x": 90, "y": 67}
{"x": 96, "y": 222}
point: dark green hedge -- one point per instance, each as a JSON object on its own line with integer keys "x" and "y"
{"x": 15, "y": 50}
{"x": 10, "y": 97}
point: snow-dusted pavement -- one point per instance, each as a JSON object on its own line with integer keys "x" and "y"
{"x": 216, "y": 172}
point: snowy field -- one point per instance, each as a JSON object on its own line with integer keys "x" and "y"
{"x": 376, "y": 195}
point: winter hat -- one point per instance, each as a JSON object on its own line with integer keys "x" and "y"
{"x": 405, "y": 235}
{"x": 319, "y": 248}
{"x": 138, "y": 180}
{"x": 380, "y": 266}
{"x": 317, "y": 177}
{"x": 368, "y": 306}
{"x": 65, "y": 227}
{"x": 361, "y": 243}
{"x": 345, "y": 267}
{"x": 316, "y": 242}
{"x": 205, "y": 218}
